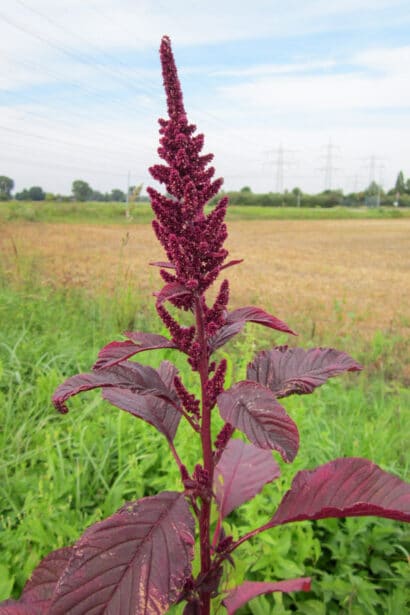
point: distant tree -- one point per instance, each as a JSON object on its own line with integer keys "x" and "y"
{"x": 407, "y": 188}
{"x": 134, "y": 193}
{"x": 22, "y": 196}
{"x": 50, "y": 196}
{"x": 297, "y": 192}
{"x": 96, "y": 195}
{"x": 373, "y": 189}
{"x": 133, "y": 196}
{"x": 246, "y": 190}
{"x": 36, "y": 193}
{"x": 81, "y": 190}
{"x": 6, "y": 186}
{"x": 330, "y": 198}
{"x": 400, "y": 185}
{"x": 373, "y": 194}
{"x": 117, "y": 195}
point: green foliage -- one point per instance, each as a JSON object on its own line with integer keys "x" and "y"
{"x": 60, "y": 474}
{"x": 117, "y": 196}
{"x": 91, "y": 212}
{"x": 35, "y": 193}
{"x": 101, "y": 212}
{"x": 81, "y": 190}
{"x": 400, "y": 185}
{"x": 6, "y": 186}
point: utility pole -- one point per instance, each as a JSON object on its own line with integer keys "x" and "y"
{"x": 372, "y": 169}
{"x": 329, "y": 167}
{"x": 371, "y": 162}
{"x": 380, "y": 182}
{"x": 375, "y": 168}
{"x": 127, "y": 198}
{"x": 280, "y": 169}
{"x": 280, "y": 162}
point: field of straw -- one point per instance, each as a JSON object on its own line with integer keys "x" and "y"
{"x": 353, "y": 274}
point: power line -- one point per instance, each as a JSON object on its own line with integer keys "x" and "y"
{"x": 100, "y": 66}
{"x": 81, "y": 169}
{"x": 51, "y": 139}
{"x": 66, "y": 50}
{"x": 153, "y": 87}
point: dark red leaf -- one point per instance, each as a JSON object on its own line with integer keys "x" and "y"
{"x": 136, "y": 561}
{"x": 137, "y": 342}
{"x": 259, "y": 316}
{"x": 172, "y": 290}
{"x": 232, "y": 263}
{"x": 17, "y": 607}
{"x": 241, "y": 473}
{"x": 254, "y": 410}
{"x": 224, "y": 334}
{"x": 128, "y": 375}
{"x": 294, "y": 370}
{"x": 251, "y": 589}
{"x": 38, "y": 591}
{"x": 236, "y": 320}
{"x": 156, "y": 411}
{"x": 348, "y": 487}
{"x": 163, "y": 264}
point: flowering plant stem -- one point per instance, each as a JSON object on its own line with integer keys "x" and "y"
{"x": 206, "y": 442}
{"x": 138, "y": 561}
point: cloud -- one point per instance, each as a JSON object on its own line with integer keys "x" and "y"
{"x": 275, "y": 69}
{"x": 361, "y": 87}
{"x": 81, "y": 82}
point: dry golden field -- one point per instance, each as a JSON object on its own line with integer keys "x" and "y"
{"x": 352, "y": 274}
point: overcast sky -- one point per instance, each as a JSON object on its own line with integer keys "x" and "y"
{"x": 299, "y": 93}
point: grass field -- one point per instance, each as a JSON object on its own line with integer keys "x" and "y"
{"x": 114, "y": 213}
{"x": 66, "y": 289}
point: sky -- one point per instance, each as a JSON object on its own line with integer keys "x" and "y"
{"x": 307, "y": 93}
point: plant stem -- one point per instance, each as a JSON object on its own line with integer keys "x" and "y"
{"x": 206, "y": 440}
{"x": 248, "y": 536}
{"x": 217, "y": 532}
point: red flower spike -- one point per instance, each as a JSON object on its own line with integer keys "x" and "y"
{"x": 192, "y": 241}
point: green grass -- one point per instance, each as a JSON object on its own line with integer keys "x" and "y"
{"x": 109, "y": 213}
{"x": 59, "y": 474}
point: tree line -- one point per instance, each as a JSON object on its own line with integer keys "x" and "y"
{"x": 80, "y": 191}
{"x": 373, "y": 195}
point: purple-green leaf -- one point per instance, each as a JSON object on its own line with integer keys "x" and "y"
{"x": 136, "y": 561}
{"x": 163, "y": 264}
{"x": 38, "y": 591}
{"x": 156, "y": 411}
{"x": 139, "y": 378}
{"x": 295, "y": 370}
{"x": 259, "y": 316}
{"x": 231, "y": 263}
{"x": 172, "y": 290}
{"x": 254, "y": 410}
{"x": 241, "y": 473}
{"x": 236, "y": 320}
{"x": 347, "y": 487}
{"x": 251, "y": 589}
{"x": 224, "y": 334}
{"x": 115, "y": 352}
